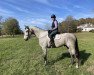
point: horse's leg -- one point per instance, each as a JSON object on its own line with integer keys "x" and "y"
{"x": 77, "y": 53}
{"x": 45, "y": 54}
{"x": 72, "y": 58}
{"x": 74, "y": 55}
{"x": 77, "y": 60}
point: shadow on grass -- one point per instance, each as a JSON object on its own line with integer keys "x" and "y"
{"x": 83, "y": 57}
{"x": 62, "y": 56}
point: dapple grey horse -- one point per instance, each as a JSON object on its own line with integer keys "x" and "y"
{"x": 65, "y": 39}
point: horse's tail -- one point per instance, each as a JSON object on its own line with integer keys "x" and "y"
{"x": 77, "y": 48}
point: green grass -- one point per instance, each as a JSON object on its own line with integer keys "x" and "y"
{"x": 19, "y": 57}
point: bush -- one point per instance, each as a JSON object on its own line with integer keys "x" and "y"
{"x": 79, "y": 30}
{"x": 92, "y": 31}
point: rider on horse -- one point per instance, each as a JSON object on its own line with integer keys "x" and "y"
{"x": 54, "y": 30}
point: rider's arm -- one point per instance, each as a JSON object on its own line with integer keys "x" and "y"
{"x": 56, "y": 24}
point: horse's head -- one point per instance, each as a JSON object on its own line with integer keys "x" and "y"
{"x": 27, "y": 33}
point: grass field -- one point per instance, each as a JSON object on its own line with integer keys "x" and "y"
{"x": 19, "y": 57}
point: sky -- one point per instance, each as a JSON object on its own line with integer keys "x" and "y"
{"x": 38, "y": 12}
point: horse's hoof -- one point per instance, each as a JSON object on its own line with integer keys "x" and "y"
{"x": 45, "y": 63}
{"x": 48, "y": 47}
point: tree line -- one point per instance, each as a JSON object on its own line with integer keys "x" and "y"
{"x": 70, "y": 24}
{"x": 9, "y": 26}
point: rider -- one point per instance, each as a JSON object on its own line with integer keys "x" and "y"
{"x": 54, "y": 30}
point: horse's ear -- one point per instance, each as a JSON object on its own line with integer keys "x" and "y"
{"x": 24, "y": 26}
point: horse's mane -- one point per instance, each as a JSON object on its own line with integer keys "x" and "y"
{"x": 39, "y": 28}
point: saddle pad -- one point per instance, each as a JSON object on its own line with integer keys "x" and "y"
{"x": 58, "y": 37}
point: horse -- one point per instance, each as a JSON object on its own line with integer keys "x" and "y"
{"x": 64, "y": 39}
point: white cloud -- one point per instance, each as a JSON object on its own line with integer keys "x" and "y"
{"x": 42, "y": 23}
{"x": 21, "y": 9}
{"x": 5, "y": 12}
{"x": 46, "y": 2}
{"x": 60, "y": 19}
{"x": 43, "y": 2}
{"x": 12, "y": 1}
{"x": 79, "y": 7}
{"x": 18, "y": 8}
{"x": 68, "y": 9}
{"x": 84, "y": 15}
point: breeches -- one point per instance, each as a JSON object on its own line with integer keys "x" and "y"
{"x": 53, "y": 33}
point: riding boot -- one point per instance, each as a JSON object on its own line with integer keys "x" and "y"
{"x": 52, "y": 43}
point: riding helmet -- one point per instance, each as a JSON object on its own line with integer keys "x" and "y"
{"x": 53, "y": 16}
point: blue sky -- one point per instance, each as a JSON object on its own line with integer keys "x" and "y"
{"x": 38, "y": 12}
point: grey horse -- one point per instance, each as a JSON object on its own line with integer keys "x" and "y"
{"x": 65, "y": 39}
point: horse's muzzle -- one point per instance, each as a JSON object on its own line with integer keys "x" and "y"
{"x": 26, "y": 39}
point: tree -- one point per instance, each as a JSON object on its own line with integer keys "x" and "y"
{"x": 88, "y": 20}
{"x": 11, "y": 26}
{"x": 82, "y": 21}
{"x": 64, "y": 27}
{"x": 59, "y": 27}
{"x": 93, "y": 21}
{"x": 0, "y": 25}
{"x": 69, "y": 25}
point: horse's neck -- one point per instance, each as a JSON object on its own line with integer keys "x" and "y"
{"x": 38, "y": 32}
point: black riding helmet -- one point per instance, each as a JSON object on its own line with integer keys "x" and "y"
{"x": 26, "y": 27}
{"x": 53, "y": 16}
